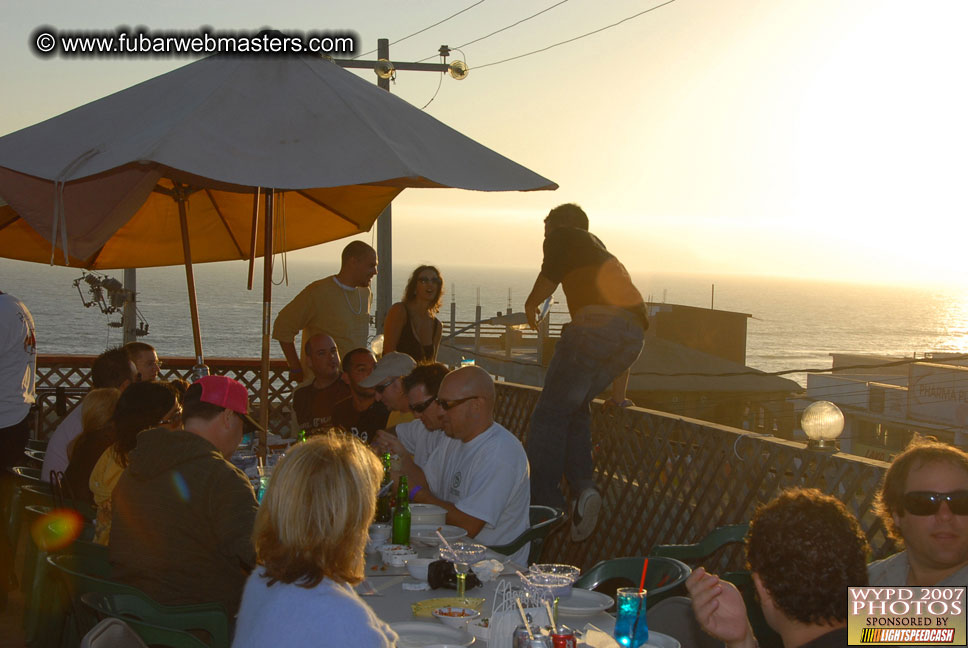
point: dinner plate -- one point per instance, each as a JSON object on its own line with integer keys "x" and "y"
{"x": 417, "y": 634}
{"x": 426, "y": 534}
{"x": 584, "y": 602}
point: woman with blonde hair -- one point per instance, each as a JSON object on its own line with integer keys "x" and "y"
{"x": 309, "y": 536}
{"x": 142, "y": 405}
{"x": 96, "y": 435}
{"x": 411, "y": 325}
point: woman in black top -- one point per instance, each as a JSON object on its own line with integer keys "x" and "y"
{"x": 412, "y": 326}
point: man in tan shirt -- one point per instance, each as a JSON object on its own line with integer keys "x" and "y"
{"x": 338, "y": 306}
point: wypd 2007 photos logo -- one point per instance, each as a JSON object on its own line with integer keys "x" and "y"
{"x": 924, "y": 616}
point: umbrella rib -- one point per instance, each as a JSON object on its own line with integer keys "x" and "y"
{"x": 228, "y": 229}
{"x": 10, "y": 222}
{"x": 325, "y": 206}
{"x": 91, "y": 260}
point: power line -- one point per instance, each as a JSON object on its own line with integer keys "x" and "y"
{"x": 572, "y": 40}
{"x": 523, "y": 20}
{"x": 439, "y": 22}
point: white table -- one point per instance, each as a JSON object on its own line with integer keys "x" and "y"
{"x": 392, "y": 603}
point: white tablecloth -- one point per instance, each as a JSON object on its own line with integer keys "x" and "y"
{"x": 392, "y": 603}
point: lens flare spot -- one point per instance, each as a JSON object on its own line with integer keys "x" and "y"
{"x": 57, "y": 529}
{"x": 181, "y": 486}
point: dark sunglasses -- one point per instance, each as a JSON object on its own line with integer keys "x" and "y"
{"x": 451, "y": 404}
{"x": 382, "y": 386}
{"x": 420, "y": 407}
{"x": 929, "y": 503}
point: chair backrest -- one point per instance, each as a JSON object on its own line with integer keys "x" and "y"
{"x": 91, "y": 573}
{"x": 26, "y": 474}
{"x": 37, "y": 444}
{"x": 35, "y": 455}
{"x": 129, "y": 610}
{"x": 86, "y": 573}
{"x": 663, "y": 575}
{"x": 543, "y": 520}
{"x": 694, "y": 554}
{"x": 112, "y": 633}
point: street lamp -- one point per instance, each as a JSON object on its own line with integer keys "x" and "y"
{"x": 822, "y": 422}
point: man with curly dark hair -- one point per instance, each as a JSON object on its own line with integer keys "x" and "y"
{"x": 804, "y": 549}
{"x": 924, "y": 506}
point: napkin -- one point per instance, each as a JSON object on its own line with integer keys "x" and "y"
{"x": 595, "y": 637}
{"x": 488, "y": 570}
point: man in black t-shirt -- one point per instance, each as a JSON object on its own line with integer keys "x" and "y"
{"x": 596, "y": 349}
{"x": 360, "y": 413}
{"x": 314, "y": 402}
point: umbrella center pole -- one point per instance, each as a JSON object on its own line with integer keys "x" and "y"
{"x": 181, "y": 196}
{"x": 267, "y": 249}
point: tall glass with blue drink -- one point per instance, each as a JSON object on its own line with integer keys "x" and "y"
{"x": 631, "y": 629}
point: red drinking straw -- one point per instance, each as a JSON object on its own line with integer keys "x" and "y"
{"x": 645, "y": 566}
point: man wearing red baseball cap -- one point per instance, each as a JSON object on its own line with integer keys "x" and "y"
{"x": 183, "y": 515}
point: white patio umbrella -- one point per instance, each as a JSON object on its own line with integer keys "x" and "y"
{"x": 170, "y": 170}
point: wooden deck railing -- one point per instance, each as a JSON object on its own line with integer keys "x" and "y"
{"x": 665, "y": 479}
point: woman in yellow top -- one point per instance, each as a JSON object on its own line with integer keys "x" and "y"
{"x": 141, "y": 406}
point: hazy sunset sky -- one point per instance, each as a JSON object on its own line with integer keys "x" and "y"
{"x": 810, "y": 138}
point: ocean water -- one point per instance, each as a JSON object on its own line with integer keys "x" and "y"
{"x": 795, "y": 324}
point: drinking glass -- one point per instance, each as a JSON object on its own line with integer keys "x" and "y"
{"x": 568, "y": 571}
{"x": 545, "y": 587}
{"x": 631, "y": 628}
{"x": 463, "y": 555}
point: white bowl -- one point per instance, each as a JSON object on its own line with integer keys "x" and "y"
{"x": 380, "y": 532}
{"x": 455, "y": 616}
{"x": 397, "y": 555}
{"x": 418, "y": 567}
{"x": 428, "y": 514}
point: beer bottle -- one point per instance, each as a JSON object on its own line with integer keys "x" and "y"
{"x": 384, "y": 509}
{"x": 401, "y": 515}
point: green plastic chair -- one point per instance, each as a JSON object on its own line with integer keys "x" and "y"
{"x": 37, "y": 444}
{"x": 82, "y": 575}
{"x": 694, "y": 554}
{"x": 35, "y": 455}
{"x": 543, "y": 520}
{"x": 46, "y": 609}
{"x": 664, "y": 575}
{"x": 152, "y": 622}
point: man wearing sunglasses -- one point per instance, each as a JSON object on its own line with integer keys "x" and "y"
{"x": 483, "y": 479}
{"x": 418, "y": 438}
{"x": 924, "y": 505}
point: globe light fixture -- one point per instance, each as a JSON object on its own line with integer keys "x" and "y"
{"x": 823, "y": 423}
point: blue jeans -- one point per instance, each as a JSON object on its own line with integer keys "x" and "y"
{"x": 595, "y": 348}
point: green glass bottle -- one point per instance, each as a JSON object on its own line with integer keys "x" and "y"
{"x": 384, "y": 507}
{"x": 401, "y": 515}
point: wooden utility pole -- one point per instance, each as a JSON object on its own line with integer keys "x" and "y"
{"x": 386, "y": 70}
